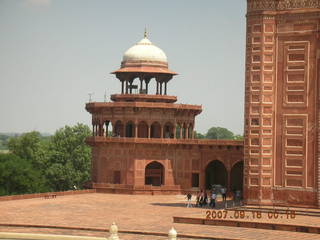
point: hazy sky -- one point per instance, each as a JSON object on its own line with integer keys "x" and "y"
{"x": 54, "y": 52}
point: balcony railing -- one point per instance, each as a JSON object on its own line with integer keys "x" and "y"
{"x": 98, "y": 139}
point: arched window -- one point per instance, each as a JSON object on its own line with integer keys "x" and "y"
{"x": 143, "y": 130}
{"x": 118, "y": 129}
{"x": 155, "y": 130}
{"x": 130, "y": 129}
{"x": 178, "y": 130}
{"x": 184, "y": 131}
{"x": 108, "y": 126}
{"x": 168, "y": 130}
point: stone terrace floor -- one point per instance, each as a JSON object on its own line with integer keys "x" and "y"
{"x": 130, "y": 212}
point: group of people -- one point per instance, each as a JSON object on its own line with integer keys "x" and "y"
{"x": 203, "y": 198}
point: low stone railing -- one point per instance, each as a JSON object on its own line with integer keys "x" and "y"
{"x": 45, "y": 195}
{"x": 172, "y": 235}
{"x": 113, "y": 235}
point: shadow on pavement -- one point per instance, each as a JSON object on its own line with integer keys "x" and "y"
{"x": 219, "y": 205}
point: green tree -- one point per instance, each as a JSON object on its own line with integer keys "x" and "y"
{"x": 4, "y": 141}
{"x": 238, "y": 137}
{"x": 219, "y": 133}
{"x": 69, "y": 158}
{"x": 199, "y": 135}
{"x": 17, "y": 176}
{"x": 30, "y": 146}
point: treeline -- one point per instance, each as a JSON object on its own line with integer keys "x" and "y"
{"x": 4, "y": 138}
{"x": 43, "y": 164}
{"x": 219, "y": 133}
{"x": 60, "y": 162}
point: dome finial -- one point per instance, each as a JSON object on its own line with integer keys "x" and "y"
{"x": 145, "y": 32}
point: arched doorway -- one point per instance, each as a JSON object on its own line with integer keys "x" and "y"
{"x": 237, "y": 176}
{"x": 216, "y": 174}
{"x": 154, "y": 174}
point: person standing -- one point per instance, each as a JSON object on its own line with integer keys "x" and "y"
{"x": 213, "y": 199}
{"x": 201, "y": 198}
{"x": 189, "y": 196}
{"x": 224, "y": 194}
{"x": 238, "y": 196}
{"x": 205, "y": 199}
{"x": 198, "y": 200}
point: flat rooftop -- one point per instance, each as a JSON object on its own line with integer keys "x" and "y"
{"x": 131, "y": 213}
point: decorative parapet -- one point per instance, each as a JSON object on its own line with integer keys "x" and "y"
{"x": 276, "y": 5}
{"x": 143, "y": 98}
{"x": 100, "y": 105}
{"x": 113, "y": 230}
{"x": 200, "y": 142}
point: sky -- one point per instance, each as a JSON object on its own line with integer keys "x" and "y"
{"x": 54, "y": 52}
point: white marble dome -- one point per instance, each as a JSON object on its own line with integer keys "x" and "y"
{"x": 144, "y": 51}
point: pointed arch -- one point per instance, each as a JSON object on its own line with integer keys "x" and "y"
{"x": 154, "y": 174}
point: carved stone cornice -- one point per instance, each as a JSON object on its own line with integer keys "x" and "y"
{"x": 258, "y": 5}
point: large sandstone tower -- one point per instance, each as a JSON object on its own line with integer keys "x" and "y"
{"x": 282, "y": 160}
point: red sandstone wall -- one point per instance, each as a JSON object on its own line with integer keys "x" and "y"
{"x": 282, "y": 106}
{"x": 179, "y": 161}
{"x": 41, "y": 195}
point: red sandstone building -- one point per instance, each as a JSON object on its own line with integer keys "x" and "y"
{"x": 282, "y": 161}
{"x": 152, "y": 146}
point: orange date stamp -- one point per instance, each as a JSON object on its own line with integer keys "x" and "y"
{"x": 256, "y": 214}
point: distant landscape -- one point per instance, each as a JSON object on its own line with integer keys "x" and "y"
{"x": 36, "y": 162}
{"x": 4, "y": 139}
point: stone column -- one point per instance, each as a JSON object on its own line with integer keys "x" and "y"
{"x": 113, "y": 129}
{"x": 229, "y": 181}
{"x": 149, "y": 131}
{"x": 107, "y": 126}
{"x": 160, "y": 83}
{"x": 161, "y": 131}
{"x": 135, "y": 130}
{"x": 131, "y": 81}
{"x": 93, "y": 130}
{"x": 147, "y": 80}
{"x": 122, "y": 86}
{"x": 187, "y": 132}
{"x": 100, "y": 130}
{"x": 165, "y": 88}
{"x": 141, "y": 84}
{"x": 124, "y": 130}
{"x": 126, "y": 86}
{"x": 157, "y": 87}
